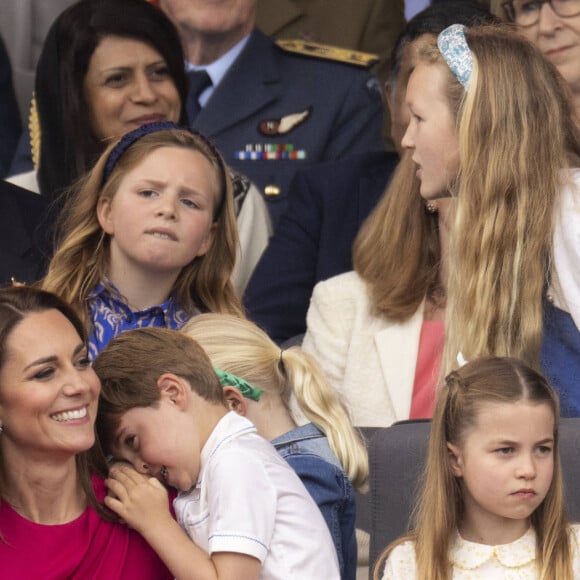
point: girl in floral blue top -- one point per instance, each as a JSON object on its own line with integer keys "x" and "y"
{"x": 149, "y": 237}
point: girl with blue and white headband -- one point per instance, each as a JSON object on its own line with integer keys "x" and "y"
{"x": 492, "y": 123}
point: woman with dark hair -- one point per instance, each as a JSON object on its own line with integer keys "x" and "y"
{"x": 107, "y": 67}
{"x": 50, "y": 502}
{"x": 67, "y": 110}
{"x": 87, "y": 47}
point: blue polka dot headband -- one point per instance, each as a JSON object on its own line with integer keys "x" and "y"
{"x": 453, "y": 47}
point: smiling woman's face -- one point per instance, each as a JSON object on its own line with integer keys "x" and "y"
{"x": 128, "y": 84}
{"x": 48, "y": 391}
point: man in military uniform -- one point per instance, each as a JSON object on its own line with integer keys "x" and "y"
{"x": 270, "y": 110}
{"x": 371, "y": 26}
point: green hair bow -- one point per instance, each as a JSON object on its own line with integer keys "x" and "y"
{"x": 229, "y": 380}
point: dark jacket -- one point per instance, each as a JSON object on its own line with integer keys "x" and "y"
{"x": 21, "y": 256}
{"x": 341, "y": 102}
{"x": 10, "y": 125}
{"x": 313, "y": 240}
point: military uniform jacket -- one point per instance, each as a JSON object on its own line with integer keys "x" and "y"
{"x": 294, "y": 109}
{"x": 21, "y": 256}
{"x": 371, "y": 26}
{"x": 368, "y": 25}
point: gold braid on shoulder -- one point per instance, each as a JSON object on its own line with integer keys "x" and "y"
{"x": 34, "y": 132}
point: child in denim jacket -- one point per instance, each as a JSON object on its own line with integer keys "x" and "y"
{"x": 327, "y": 453}
{"x": 241, "y": 510}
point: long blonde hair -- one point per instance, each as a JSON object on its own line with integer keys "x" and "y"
{"x": 397, "y": 251}
{"x": 81, "y": 259}
{"x": 440, "y": 505}
{"x": 240, "y": 347}
{"x": 516, "y": 135}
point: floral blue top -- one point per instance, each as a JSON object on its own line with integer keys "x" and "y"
{"x": 110, "y": 315}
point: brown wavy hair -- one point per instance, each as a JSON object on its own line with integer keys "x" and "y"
{"x": 15, "y": 305}
{"x": 516, "y": 135}
{"x": 397, "y": 250}
{"x": 81, "y": 258}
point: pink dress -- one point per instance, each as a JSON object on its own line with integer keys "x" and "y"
{"x": 86, "y": 548}
{"x": 427, "y": 369}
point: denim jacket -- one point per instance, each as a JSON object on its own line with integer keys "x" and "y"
{"x": 307, "y": 451}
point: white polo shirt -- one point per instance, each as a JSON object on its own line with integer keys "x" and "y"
{"x": 249, "y": 500}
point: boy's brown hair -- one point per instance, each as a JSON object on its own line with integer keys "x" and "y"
{"x": 130, "y": 366}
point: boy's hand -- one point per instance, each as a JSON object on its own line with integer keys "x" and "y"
{"x": 139, "y": 500}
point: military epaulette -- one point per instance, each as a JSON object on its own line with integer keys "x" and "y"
{"x": 328, "y": 52}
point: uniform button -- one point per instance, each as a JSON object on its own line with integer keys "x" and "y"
{"x": 272, "y": 190}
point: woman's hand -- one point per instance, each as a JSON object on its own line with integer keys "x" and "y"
{"x": 139, "y": 500}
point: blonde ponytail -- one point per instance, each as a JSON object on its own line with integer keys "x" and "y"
{"x": 238, "y": 346}
{"x": 323, "y": 406}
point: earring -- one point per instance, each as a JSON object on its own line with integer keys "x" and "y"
{"x": 1, "y": 428}
{"x": 430, "y": 206}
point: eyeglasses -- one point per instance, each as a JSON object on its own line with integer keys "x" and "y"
{"x": 527, "y": 12}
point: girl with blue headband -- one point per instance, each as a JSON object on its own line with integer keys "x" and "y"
{"x": 149, "y": 237}
{"x": 491, "y": 122}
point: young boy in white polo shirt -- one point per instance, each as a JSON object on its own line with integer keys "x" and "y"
{"x": 163, "y": 410}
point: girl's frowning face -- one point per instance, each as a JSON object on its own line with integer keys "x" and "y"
{"x": 161, "y": 217}
{"x": 432, "y": 132}
{"x": 505, "y": 463}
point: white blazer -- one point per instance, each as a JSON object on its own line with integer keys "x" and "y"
{"x": 371, "y": 360}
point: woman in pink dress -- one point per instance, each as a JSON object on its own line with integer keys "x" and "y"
{"x": 52, "y": 523}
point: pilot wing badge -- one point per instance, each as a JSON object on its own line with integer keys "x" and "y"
{"x": 284, "y": 124}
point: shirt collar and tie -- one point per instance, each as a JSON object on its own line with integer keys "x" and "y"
{"x": 199, "y": 80}
{"x": 216, "y": 71}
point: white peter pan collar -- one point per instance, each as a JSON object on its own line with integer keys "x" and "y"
{"x": 470, "y": 555}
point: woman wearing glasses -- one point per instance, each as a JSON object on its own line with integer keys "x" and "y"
{"x": 554, "y": 27}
